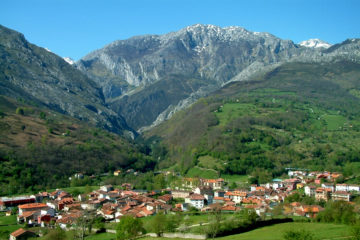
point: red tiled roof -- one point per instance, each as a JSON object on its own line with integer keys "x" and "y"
{"x": 218, "y": 198}
{"x": 197, "y": 197}
{"x": 28, "y": 214}
{"x": 18, "y": 232}
{"x": 228, "y": 208}
{"x": 341, "y": 193}
{"x": 33, "y": 205}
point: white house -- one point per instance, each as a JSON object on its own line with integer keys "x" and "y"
{"x": 310, "y": 190}
{"x": 329, "y": 186}
{"x": 197, "y": 200}
{"x": 342, "y": 187}
{"x": 355, "y": 188}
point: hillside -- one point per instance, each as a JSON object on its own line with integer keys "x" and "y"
{"x": 39, "y": 76}
{"x": 169, "y": 72}
{"x": 297, "y": 115}
{"x": 40, "y": 149}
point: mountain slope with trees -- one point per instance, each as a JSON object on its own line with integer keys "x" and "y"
{"x": 37, "y": 75}
{"x": 40, "y": 149}
{"x": 298, "y": 115}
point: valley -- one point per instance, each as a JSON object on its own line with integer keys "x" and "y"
{"x": 213, "y": 131}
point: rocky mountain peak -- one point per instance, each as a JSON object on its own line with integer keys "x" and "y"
{"x": 315, "y": 43}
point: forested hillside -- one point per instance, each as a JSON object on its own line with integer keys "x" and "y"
{"x": 41, "y": 149}
{"x": 299, "y": 115}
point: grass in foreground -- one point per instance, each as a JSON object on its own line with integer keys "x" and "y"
{"x": 275, "y": 232}
{"x": 102, "y": 236}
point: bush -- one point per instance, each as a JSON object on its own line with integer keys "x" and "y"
{"x": 20, "y": 111}
{"x": 298, "y": 235}
{"x": 129, "y": 227}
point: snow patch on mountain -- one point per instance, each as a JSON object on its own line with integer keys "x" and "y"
{"x": 315, "y": 43}
{"x": 69, "y": 60}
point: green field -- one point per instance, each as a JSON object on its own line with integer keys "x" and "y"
{"x": 102, "y": 236}
{"x": 238, "y": 179}
{"x": 210, "y": 162}
{"x": 10, "y": 220}
{"x": 334, "y": 122}
{"x": 7, "y": 226}
{"x": 320, "y": 231}
{"x": 202, "y": 173}
{"x": 275, "y": 232}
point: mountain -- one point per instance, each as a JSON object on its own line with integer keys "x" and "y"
{"x": 69, "y": 60}
{"x": 148, "y": 78}
{"x": 315, "y": 43}
{"x": 297, "y": 115}
{"x": 38, "y": 76}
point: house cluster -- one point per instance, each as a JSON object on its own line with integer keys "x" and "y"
{"x": 211, "y": 194}
{"x": 63, "y": 209}
{"x": 206, "y": 194}
{"x": 323, "y": 186}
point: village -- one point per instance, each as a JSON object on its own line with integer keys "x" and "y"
{"x": 60, "y": 208}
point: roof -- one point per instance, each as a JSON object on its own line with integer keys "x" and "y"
{"x": 33, "y": 205}
{"x": 341, "y": 193}
{"x": 18, "y": 232}
{"x": 197, "y": 197}
{"x": 28, "y": 214}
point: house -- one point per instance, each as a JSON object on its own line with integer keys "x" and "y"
{"x": 341, "y": 187}
{"x": 310, "y": 190}
{"x": 238, "y": 196}
{"x": 180, "y": 193}
{"x": 290, "y": 184}
{"x": 30, "y": 212}
{"x": 68, "y": 219}
{"x": 355, "y": 188}
{"x": 56, "y": 193}
{"x": 190, "y": 182}
{"x": 219, "y": 193}
{"x": 218, "y": 200}
{"x": 41, "y": 196}
{"x": 107, "y": 188}
{"x": 341, "y": 196}
{"x": 32, "y": 207}
{"x": 63, "y": 195}
{"x": 196, "y": 200}
{"x": 213, "y": 183}
{"x": 22, "y": 234}
{"x": 312, "y": 211}
{"x": 64, "y": 202}
{"x": 322, "y": 194}
{"x": 117, "y": 172}
{"x": 6, "y": 202}
{"x": 165, "y": 198}
{"x": 328, "y": 186}
{"x": 126, "y": 186}
{"x": 79, "y": 175}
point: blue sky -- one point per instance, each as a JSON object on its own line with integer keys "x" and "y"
{"x": 76, "y": 27}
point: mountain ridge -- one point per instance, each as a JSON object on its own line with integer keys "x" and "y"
{"x": 213, "y": 55}
{"x": 35, "y": 74}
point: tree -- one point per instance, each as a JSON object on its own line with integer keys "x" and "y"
{"x": 128, "y": 227}
{"x": 298, "y": 235}
{"x": 157, "y": 224}
{"x": 233, "y": 185}
{"x": 213, "y": 227}
{"x": 355, "y": 231}
{"x": 249, "y": 215}
{"x": 20, "y": 111}
{"x": 338, "y": 212}
{"x": 56, "y": 234}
